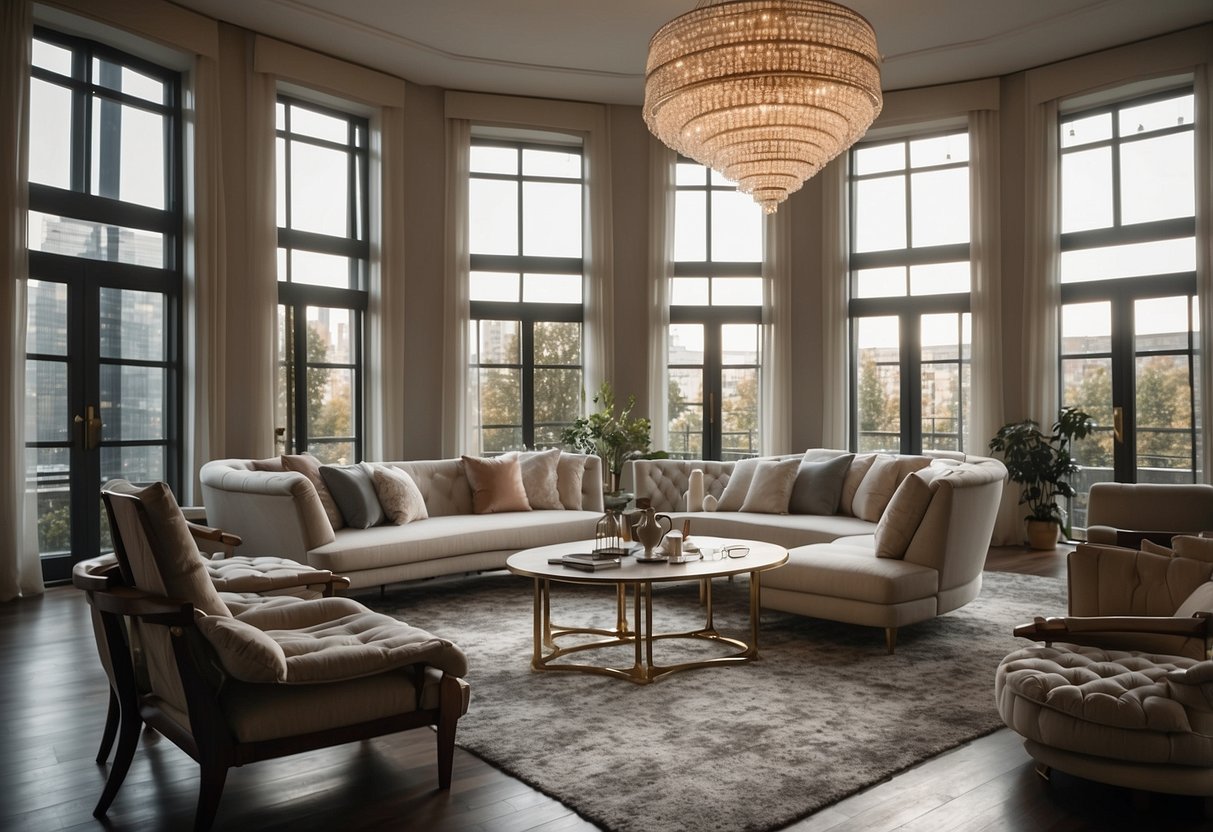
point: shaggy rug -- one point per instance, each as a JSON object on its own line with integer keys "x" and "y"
{"x": 824, "y": 713}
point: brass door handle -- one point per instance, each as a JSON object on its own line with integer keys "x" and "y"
{"x": 1118, "y": 424}
{"x": 89, "y": 426}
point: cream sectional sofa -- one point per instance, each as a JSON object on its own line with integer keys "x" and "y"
{"x": 833, "y": 571}
{"x": 279, "y": 511}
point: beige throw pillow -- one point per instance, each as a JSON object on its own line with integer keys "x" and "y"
{"x": 902, "y": 517}
{"x": 1191, "y": 546}
{"x": 1150, "y": 547}
{"x": 309, "y": 466}
{"x": 398, "y": 494}
{"x": 539, "y": 478}
{"x": 735, "y": 489}
{"x": 771, "y": 486}
{"x": 496, "y": 484}
{"x": 858, "y": 470}
{"x": 570, "y": 474}
{"x": 876, "y": 489}
{"x": 182, "y": 570}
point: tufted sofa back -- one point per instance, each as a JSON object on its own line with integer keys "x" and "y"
{"x": 665, "y": 481}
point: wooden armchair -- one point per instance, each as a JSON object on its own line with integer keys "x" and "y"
{"x": 281, "y": 678}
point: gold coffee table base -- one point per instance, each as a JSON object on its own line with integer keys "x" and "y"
{"x": 640, "y": 634}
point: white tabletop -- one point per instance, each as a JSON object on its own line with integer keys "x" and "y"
{"x": 533, "y": 563}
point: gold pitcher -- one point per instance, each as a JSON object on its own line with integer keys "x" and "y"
{"x": 648, "y": 529}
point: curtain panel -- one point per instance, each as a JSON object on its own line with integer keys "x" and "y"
{"x": 457, "y": 436}
{"x": 662, "y": 162}
{"x": 776, "y": 378}
{"x": 835, "y": 355}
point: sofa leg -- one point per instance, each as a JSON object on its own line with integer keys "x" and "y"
{"x": 890, "y": 638}
{"x": 1043, "y": 771}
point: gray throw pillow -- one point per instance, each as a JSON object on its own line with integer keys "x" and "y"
{"x": 818, "y": 486}
{"x": 353, "y": 490}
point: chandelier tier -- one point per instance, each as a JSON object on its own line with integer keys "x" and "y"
{"x": 766, "y": 92}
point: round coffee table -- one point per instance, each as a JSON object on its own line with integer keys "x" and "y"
{"x": 638, "y": 578}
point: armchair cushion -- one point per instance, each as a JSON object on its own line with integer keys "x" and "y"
{"x": 262, "y": 574}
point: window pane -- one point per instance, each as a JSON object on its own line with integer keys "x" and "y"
{"x": 50, "y": 148}
{"x": 330, "y": 402}
{"x": 494, "y": 159}
{"x": 319, "y": 125}
{"x": 46, "y": 314}
{"x": 46, "y": 417}
{"x": 738, "y": 413}
{"x": 1161, "y": 324}
{"x": 52, "y": 57}
{"x": 317, "y": 269}
{"x": 736, "y": 227}
{"x": 686, "y": 412}
{"x": 330, "y": 335}
{"x": 940, "y": 205}
{"x": 1096, "y": 128}
{"x": 1086, "y": 189}
{"x": 50, "y": 471}
{"x": 944, "y": 345}
{"x": 137, "y": 464}
{"x": 132, "y": 324}
{"x": 1156, "y": 177}
{"x": 686, "y": 344}
{"x": 557, "y": 396}
{"x": 880, "y": 158}
{"x": 689, "y": 291}
{"x": 1157, "y": 115}
{"x": 500, "y": 397}
{"x": 493, "y": 217}
{"x": 95, "y": 241}
{"x": 132, "y": 402}
{"x": 128, "y": 153}
{"x": 280, "y": 182}
{"x": 560, "y": 163}
{"x": 332, "y": 453}
{"x": 1133, "y": 260}
{"x": 319, "y": 184}
{"x": 878, "y": 400}
{"x": 551, "y": 288}
{"x": 557, "y": 342}
{"x": 1164, "y": 417}
{"x": 690, "y": 173}
{"x": 124, "y": 79}
{"x": 939, "y": 150}
{"x": 551, "y": 219}
{"x": 737, "y": 291}
{"x": 1086, "y": 328}
{"x": 495, "y": 286}
{"x": 940, "y": 278}
{"x": 888, "y": 282}
{"x": 499, "y": 342}
{"x": 690, "y": 226}
{"x": 739, "y": 344}
{"x": 880, "y": 214}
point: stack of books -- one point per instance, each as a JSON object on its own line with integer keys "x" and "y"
{"x": 588, "y": 561}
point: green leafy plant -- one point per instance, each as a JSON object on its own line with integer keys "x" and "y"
{"x": 614, "y": 436}
{"x": 1041, "y": 462}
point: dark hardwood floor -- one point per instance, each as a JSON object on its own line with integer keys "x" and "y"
{"x": 52, "y": 708}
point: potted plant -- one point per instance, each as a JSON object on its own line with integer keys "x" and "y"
{"x": 1042, "y": 465}
{"x": 616, "y": 437}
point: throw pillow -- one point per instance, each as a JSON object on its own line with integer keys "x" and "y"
{"x": 902, "y": 517}
{"x": 858, "y": 470}
{"x": 309, "y": 466}
{"x": 1151, "y": 548}
{"x": 398, "y": 494}
{"x": 876, "y": 489}
{"x": 771, "y": 486}
{"x": 818, "y": 486}
{"x": 245, "y": 652}
{"x": 354, "y": 493}
{"x": 496, "y": 484}
{"x": 1201, "y": 600}
{"x": 739, "y": 483}
{"x": 570, "y": 473}
{"x": 179, "y": 567}
{"x": 1196, "y": 548}
{"x": 539, "y": 478}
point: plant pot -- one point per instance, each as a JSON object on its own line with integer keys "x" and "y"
{"x": 1042, "y": 534}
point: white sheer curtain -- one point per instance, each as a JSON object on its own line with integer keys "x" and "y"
{"x": 1204, "y": 259}
{"x": 835, "y": 356}
{"x": 1042, "y": 300}
{"x": 599, "y": 282}
{"x": 662, "y": 164}
{"x": 457, "y": 436}
{"x": 776, "y": 399}
{"x": 20, "y": 570}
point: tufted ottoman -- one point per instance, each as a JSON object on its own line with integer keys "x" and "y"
{"x": 1136, "y": 720}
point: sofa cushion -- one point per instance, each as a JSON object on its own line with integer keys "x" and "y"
{"x": 902, "y": 516}
{"x": 818, "y": 486}
{"x": 855, "y": 476}
{"x": 539, "y": 478}
{"x": 771, "y": 486}
{"x": 398, "y": 494}
{"x": 496, "y": 484}
{"x": 733, "y": 496}
{"x": 852, "y": 572}
{"x": 354, "y": 493}
{"x": 309, "y": 466}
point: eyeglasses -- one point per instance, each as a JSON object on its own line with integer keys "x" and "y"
{"x": 736, "y": 551}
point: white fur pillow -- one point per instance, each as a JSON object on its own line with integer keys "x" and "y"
{"x": 539, "y": 478}
{"x": 771, "y": 486}
{"x": 902, "y": 517}
{"x": 398, "y": 494}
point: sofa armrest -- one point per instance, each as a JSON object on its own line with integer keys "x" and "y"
{"x": 274, "y": 512}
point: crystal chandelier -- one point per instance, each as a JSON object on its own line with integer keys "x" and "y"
{"x": 766, "y": 92}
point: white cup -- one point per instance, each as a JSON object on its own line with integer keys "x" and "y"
{"x": 673, "y": 545}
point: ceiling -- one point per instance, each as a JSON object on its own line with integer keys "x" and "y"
{"x": 594, "y": 50}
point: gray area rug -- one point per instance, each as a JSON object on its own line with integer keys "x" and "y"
{"x": 824, "y": 713}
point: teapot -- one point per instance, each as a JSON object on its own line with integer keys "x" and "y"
{"x": 648, "y": 528}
